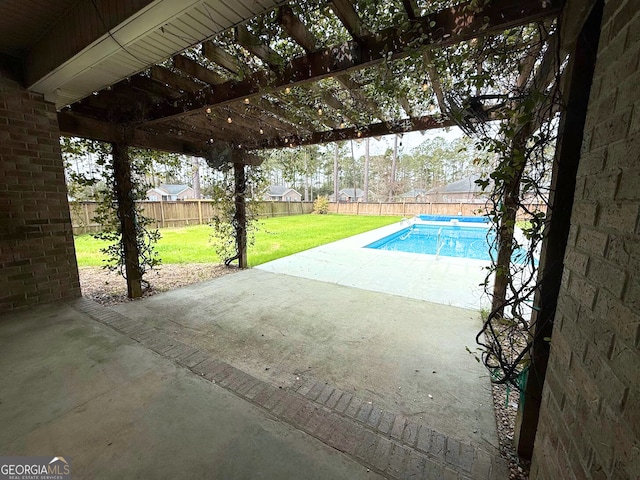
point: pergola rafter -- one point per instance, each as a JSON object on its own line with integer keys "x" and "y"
{"x": 223, "y": 76}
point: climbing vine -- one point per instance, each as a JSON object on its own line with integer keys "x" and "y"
{"x": 96, "y": 180}
{"x": 224, "y": 222}
{"x": 521, "y": 143}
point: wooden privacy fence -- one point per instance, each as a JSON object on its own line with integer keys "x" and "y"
{"x": 411, "y": 209}
{"x": 179, "y": 214}
{"x": 196, "y": 212}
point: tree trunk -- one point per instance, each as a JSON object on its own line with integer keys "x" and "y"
{"x": 366, "y": 171}
{"x": 128, "y": 218}
{"x": 394, "y": 165}
{"x": 335, "y": 173}
{"x": 195, "y": 163}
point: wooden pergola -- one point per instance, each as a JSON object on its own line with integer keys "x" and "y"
{"x": 235, "y": 88}
{"x": 235, "y": 93}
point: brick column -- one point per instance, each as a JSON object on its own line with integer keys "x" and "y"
{"x": 37, "y": 255}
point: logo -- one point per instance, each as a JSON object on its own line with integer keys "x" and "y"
{"x": 34, "y": 468}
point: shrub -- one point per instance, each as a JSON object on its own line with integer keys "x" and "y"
{"x": 321, "y": 206}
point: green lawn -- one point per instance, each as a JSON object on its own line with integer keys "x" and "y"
{"x": 276, "y": 238}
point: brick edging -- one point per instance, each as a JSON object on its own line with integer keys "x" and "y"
{"x": 389, "y": 444}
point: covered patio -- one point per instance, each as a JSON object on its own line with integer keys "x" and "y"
{"x": 140, "y": 391}
{"x": 252, "y": 375}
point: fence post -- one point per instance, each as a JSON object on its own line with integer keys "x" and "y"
{"x": 161, "y": 213}
{"x": 85, "y": 207}
{"x": 199, "y": 212}
{"x": 357, "y": 207}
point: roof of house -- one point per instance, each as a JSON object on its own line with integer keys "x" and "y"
{"x": 466, "y": 185}
{"x": 349, "y": 192}
{"x": 173, "y": 189}
{"x": 414, "y": 193}
{"x": 280, "y": 190}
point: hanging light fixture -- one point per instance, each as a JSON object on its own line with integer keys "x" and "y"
{"x": 425, "y": 85}
{"x": 320, "y": 111}
{"x": 287, "y": 90}
{"x": 261, "y": 131}
{"x": 229, "y": 119}
{"x": 208, "y": 110}
{"x": 246, "y": 101}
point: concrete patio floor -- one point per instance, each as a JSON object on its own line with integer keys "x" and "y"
{"x": 256, "y": 374}
{"x": 76, "y": 388}
{"x": 439, "y": 279}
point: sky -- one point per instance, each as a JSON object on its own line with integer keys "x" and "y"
{"x": 409, "y": 140}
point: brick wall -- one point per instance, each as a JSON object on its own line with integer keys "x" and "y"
{"x": 590, "y": 418}
{"x": 37, "y": 257}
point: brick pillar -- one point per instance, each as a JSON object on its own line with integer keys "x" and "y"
{"x": 37, "y": 255}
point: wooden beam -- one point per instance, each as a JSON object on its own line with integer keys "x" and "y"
{"x": 310, "y": 114}
{"x": 354, "y": 133}
{"x": 12, "y": 68}
{"x": 411, "y": 7}
{"x": 194, "y": 69}
{"x": 434, "y": 80}
{"x": 166, "y": 76}
{"x": 404, "y": 103}
{"x": 220, "y": 57}
{"x": 303, "y": 37}
{"x": 78, "y": 126}
{"x": 349, "y": 18}
{"x": 354, "y": 90}
{"x": 149, "y": 85}
{"x": 284, "y": 116}
{"x": 254, "y": 45}
{"x": 266, "y": 121}
{"x": 442, "y": 29}
{"x": 296, "y": 29}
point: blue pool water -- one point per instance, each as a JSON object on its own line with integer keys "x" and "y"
{"x": 448, "y": 218}
{"x": 448, "y": 240}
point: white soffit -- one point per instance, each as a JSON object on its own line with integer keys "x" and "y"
{"x": 158, "y": 31}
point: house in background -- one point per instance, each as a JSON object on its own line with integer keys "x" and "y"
{"x": 170, "y": 193}
{"x": 417, "y": 195}
{"x": 461, "y": 191}
{"x": 280, "y": 193}
{"x": 347, "y": 195}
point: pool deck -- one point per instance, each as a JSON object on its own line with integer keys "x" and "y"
{"x": 446, "y": 280}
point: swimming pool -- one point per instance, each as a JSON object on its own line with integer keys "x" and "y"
{"x": 446, "y": 239}
{"x": 449, "y": 236}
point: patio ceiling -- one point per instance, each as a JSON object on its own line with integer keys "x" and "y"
{"x": 70, "y": 48}
{"x": 265, "y": 74}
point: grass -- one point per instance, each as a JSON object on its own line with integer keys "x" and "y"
{"x": 276, "y": 238}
